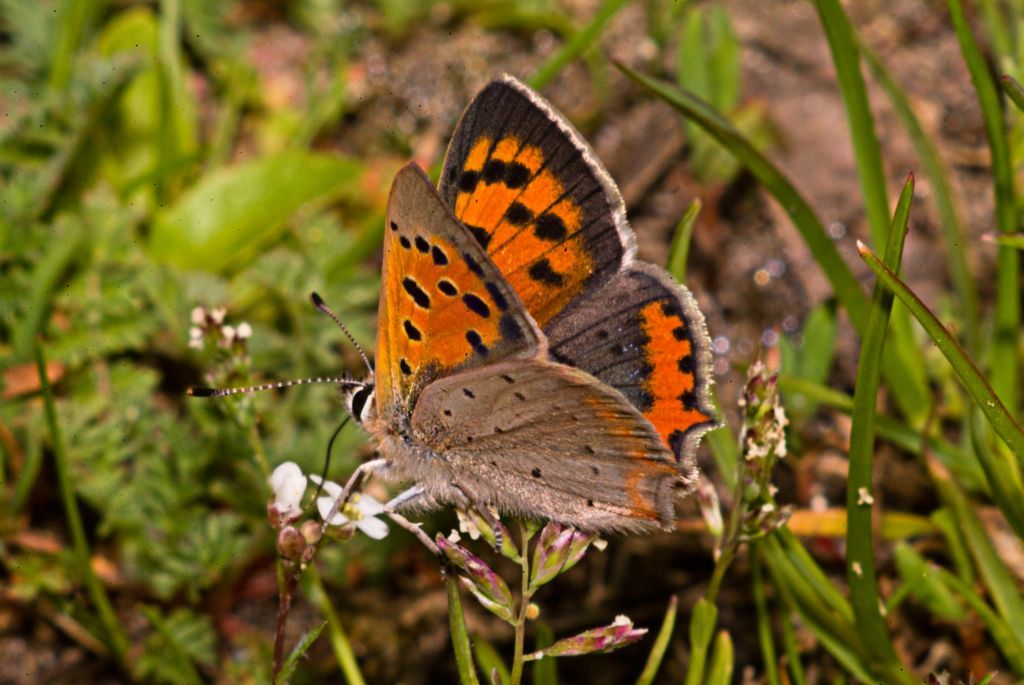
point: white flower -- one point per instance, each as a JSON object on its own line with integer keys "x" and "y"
{"x": 288, "y": 485}
{"x": 244, "y": 331}
{"x": 195, "y": 338}
{"x": 361, "y": 506}
{"x": 198, "y": 316}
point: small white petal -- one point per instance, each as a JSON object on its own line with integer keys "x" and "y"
{"x": 217, "y": 315}
{"x": 228, "y": 332}
{"x": 367, "y": 505}
{"x": 288, "y": 485}
{"x": 195, "y": 332}
{"x": 324, "y": 506}
{"x": 373, "y": 528}
{"x": 244, "y": 331}
{"x": 196, "y": 343}
{"x": 330, "y": 488}
{"x": 198, "y": 315}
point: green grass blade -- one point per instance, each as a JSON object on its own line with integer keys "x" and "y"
{"x": 72, "y": 20}
{"x": 904, "y": 387}
{"x": 680, "y": 248}
{"x": 1002, "y": 636}
{"x": 460, "y": 636}
{"x": 867, "y": 152}
{"x": 117, "y": 641}
{"x": 993, "y": 571}
{"x": 942, "y": 191}
{"x": 489, "y": 661}
{"x": 858, "y": 114}
{"x": 860, "y": 557}
{"x": 576, "y": 45}
{"x": 963, "y": 464}
{"x": 1013, "y": 90}
{"x": 1005, "y": 365}
{"x": 702, "y": 629}
{"x": 722, "y": 662}
{"x": 796, "y": 666}
{"x": 977, "y": 387}
{"x": 764, "y": 627}
{"x": 299, "y": 651}
{"x": 335, "y": 631}
{"x": 657, "y": 654}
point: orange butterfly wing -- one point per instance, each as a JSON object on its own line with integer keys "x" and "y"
{"x": 534, "y": 195}
{"x": 444, "y": 306}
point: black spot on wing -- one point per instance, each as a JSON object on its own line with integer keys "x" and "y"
{"x": 535, "y": 472}
{"x": 421, "y": 244}
{"x": 481, "y": 235}
{"x": 686, "y": 364}
{"x": 541, "y": 272}
{"x": 447, "y": 287}
{"x": 394, "y": 226}
{"x": 495, "y": 292}
{"x": 411, "y": 331}
{"x": 416, "y": 292}
{"x": 440, "y": 258}
{"x": 679, "y": 333}
{"x": 516, "y": 175}
{"x": 468, "y": 180}
{"x": 404, "y": 366}
{"x": 517, "y": 214}
{"x": 472, "y": 264}
{"x": 476, "y": 305}
{"x": 404, "y": 242}
{"x": 510, "y": 328}
{"x": 688, "y": 399}
{"x": 476, "y": 342}
{"x": 550, "y": 227}
{"x": 494, "y": 170}
{"x": 469, "y": 393}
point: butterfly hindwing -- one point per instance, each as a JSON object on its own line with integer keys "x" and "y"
{"x": 535, "y": 197}
{"x": 643, "y": 335}
{"x": 543, "y": 440}
{"x": 444, "y": 306}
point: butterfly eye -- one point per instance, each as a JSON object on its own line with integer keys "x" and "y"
{"x": 361, "y": 402}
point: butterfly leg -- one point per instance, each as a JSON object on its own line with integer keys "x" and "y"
{"x": 404, "y": 498}
{"x": 485, "y": 513}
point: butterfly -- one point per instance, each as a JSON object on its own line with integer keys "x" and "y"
{"x": 525, "y": 359}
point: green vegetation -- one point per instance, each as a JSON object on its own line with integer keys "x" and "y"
{"x": 177, "y": 176}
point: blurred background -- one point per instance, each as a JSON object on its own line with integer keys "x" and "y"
{"x": 156, "y": 157}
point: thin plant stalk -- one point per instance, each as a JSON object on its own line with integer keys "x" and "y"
{"x": 913, "y": 400}
{"x": 116, "y": 641}
{"x": 977, "y": 387}
{"x": 335, "y": 631}
{"x": 860, "y": 559}
{"x": 524, "y": 605}
{"x": 1006, "y": 376}
{"x": 949, "y": 216}
{"x": 764, "y": 628}
{"x": 576, "y": 45}
{"x": 848, "y": 291}
{"x": 457, "y": 626}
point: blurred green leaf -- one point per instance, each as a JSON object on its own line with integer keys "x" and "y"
{"x": 180, "y": 642}
{"x": 223, "y": 221}
{"x": 702, "y": 629}
{"x": 298, "y": 651}
{"x": 719, "y": 670}
{"x": 661, "y": 643}
{"x": 917, "y": 573}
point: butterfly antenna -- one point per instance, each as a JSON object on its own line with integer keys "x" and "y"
{"x": 319, "y": 303}
{"x": 202, "y": 391}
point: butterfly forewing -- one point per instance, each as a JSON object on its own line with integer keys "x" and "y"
{"x": 443, "y": 305}
{"x": 543, "y": 440}
{"x": 533, "y": 194}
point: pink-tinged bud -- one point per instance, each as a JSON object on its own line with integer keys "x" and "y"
{"x": 710, "y": 509}
{"x": 606, "y": 639}
{"x": 559, "y": 548}
{"x": 311, "y": 531}
{"x": 290, "y": 543}
{"x": 490, "y": 589}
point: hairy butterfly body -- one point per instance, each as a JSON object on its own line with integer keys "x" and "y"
{"x": 525, "y": 360}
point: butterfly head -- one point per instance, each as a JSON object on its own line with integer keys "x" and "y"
{"x": 359, "y": 399}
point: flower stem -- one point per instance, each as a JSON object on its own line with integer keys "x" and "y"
{"x": 524, "y": 562}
